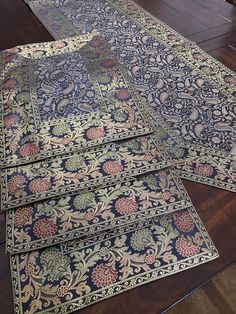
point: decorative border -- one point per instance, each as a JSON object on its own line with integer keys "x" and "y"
{"x": 140, "y": 123}
{"x": 125, "y": 285}
{"x": 159, "y": 161}
{"x": 102, "y": 226}
{"x": 183, "y": 48}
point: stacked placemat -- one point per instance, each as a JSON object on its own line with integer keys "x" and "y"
{"x": 93, "y": 204}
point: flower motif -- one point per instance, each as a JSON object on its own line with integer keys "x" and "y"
{"x": 9, "y": 58}
{"x": 230, "y": 79}
{"x": 29, "y": 269}
{"x": 150, "y": 259}
{"x": 59, "y": 44}
{"x": 54, "y": 263}
{"x": 95, "y": 132}
{"x": 150, "y": 180}
{"x": 166, "y": 195}
{"x": 45, "y": 209}
{"x": 183, "y": 221}
{"x": 178, "y": 152}
{"x": 107, "y": 63}
{"x": 95, "y": 42}
{"x": 10, "y": 83}
{"x": 15, "y": 183}
{"x": 29, "y": 149}
{"x": 141, "y": 239}
{"x": 205, "y": 170}
{"x": 126, "y": 205}
{"x": 89, "y": 216}
{"x": 132, "y": 144}
{"x": 23, "y": 216}
{"x": 186, "y": 247}
{"x": 62, "y": 291}
{"x": 74, "y": 162}
{"x": 61, "y": 129}
{"x": 23, "y": 96}
{"x": 112, "y": 167}
{"x": 39, "y": 185}
{"x": 199, "y": 56}
{"x": 65, "y": 141}
{"x": 162, "y": 173}
{"x": 44, "y": 228}
{"x": 11, "y": 121}
{"x": 123, "y": 94}
{"x": 148, "y": 157}
{"x": 104, "y": 275}
{"x": 84, "y": 200}
{"x": 120, "y": 115}
{"x": 104, "y": 78}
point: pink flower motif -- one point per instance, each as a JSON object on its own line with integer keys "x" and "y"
{"x": 205, "y": 170}
{"x": 128, "y": 125}
{"x": 162, "y": 173}
{"x": 65, "y": 141}
{"x": 148, "y": 157}
{"x": 123, "y": 94}
{"x": 107, "y": 63}
{"x": 62, "y": 291}
{"x": 59, "y": 44}
{"x": 23, "y": 216}
{"x": 11, "y": 121}
{"x": 166, "y": 195}
{"x": 104, "y": 275}
{"x": 80, "y": 175}
{"x": 13, "y": 50}
{"x": 95, "y": 42}
{"x": 89, "y": 216}
{"x": 29, "y": 149}
{"x": 186, "y": 247}
{"x": 15, "y": 183}
{"x": 150, "y": 259}
{"x": 9, "y": 84}
{"x": 95, "y": 132}
{"x": 39, "y": 185}
{"x": 126, "y": 205}
{"x": 9, "y": 58}
{"x": 230, "y": 79}
{"x": 44, "y": 228}
{"x": 199, "y": 56}
{"x": 29, "y": 269}
{"x": 112, "y": 167}
{"x": 183, "y": 221}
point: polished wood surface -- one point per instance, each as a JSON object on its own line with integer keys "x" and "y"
{"x": 212, "y": 24}
{"x": 217, "y": 296}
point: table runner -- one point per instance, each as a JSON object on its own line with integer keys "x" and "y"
{"x": 70, "y": 276}
{"x": 52, "y": 221}
{"x": 187, "y": 89}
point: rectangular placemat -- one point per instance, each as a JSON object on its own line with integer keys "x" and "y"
{"x": 103, "y": 165}
{"x": 73, "y": 216}
{"x": 63, "y": 97}
{"x": 67, "y": 277}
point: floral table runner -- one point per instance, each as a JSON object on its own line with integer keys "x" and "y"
{"x": 193, "y": 94}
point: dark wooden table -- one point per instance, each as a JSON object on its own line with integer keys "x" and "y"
{"x": 212, "y": 24}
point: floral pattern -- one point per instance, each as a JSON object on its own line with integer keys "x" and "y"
{"x": 196, "y": 106}
{"x": 68, "y": 173}
{"x": 91, "y": 211}
{"x": 100, "y": 266}
{"x": 51, "y": 115}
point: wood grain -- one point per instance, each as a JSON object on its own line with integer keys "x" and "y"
{"x": 212, "y": 24}
{"x": 217, "y": 296}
